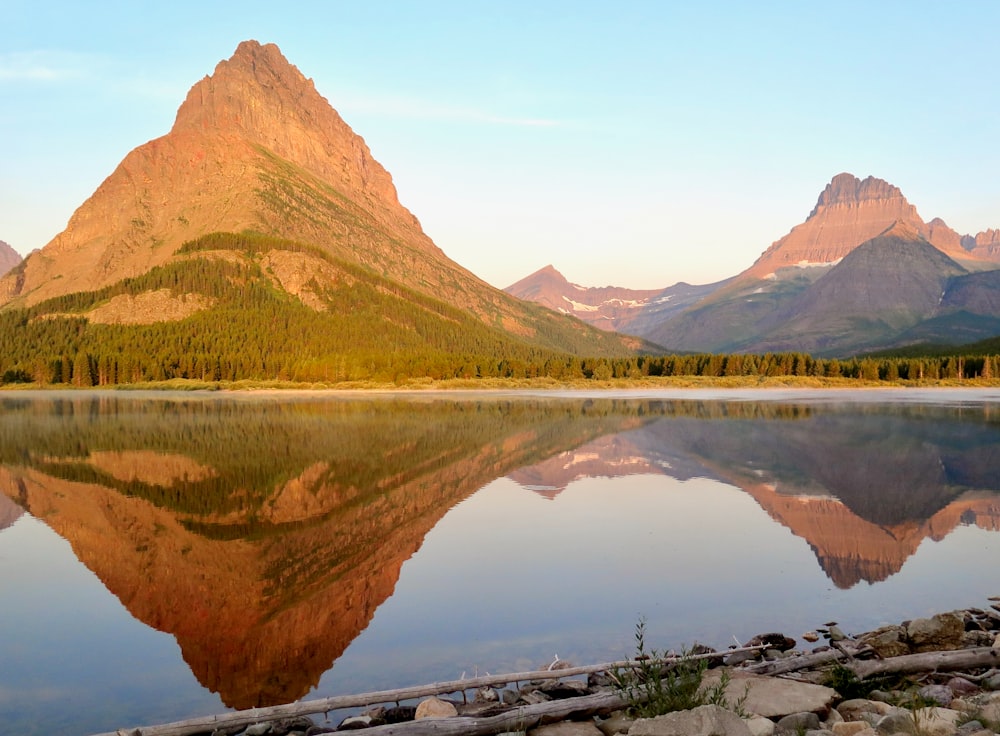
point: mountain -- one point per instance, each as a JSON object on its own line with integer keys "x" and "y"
{"x": 8, "y": 258}
{"x": 256, "y": 152}
{"x": 806, "y": 292}
{"x": 630, "y": 311}
{"x": 850, "y": 211}
{"x": 886, "y": 298}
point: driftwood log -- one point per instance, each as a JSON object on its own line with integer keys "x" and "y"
{"x": 242, "y": 718}
{"x": 959, "y": 659}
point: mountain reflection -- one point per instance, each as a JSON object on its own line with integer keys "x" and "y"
{"x": 264, "y": 533}
{"x": 863, "y": 487}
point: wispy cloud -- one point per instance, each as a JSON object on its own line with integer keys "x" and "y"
{"x": 43, "y": 66}
{"x": 416, "y": 109}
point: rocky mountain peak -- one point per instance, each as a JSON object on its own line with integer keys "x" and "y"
{"x": 848, "y": 212}
{"x": 847, "y": 189}
{"x": 257, "y": 95}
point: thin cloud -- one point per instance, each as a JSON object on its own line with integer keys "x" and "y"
{"x": 43, "y": 66}
{"x": 414, "y": 109}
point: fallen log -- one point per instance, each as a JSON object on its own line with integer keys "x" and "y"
{"x": 805, "y": 661}
{"x": 242, "y": 718}
{"x": 928, "y": 662}
{"x": 520, "y": 718}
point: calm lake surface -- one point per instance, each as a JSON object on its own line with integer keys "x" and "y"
{"x": 164, "y": 556}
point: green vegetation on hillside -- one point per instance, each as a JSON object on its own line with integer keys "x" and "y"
{"x": 370, "y": 329}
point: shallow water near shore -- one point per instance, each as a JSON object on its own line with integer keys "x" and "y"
{"x": 169, "y": 555}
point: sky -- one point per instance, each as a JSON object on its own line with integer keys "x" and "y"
{"x": 632, "y": 144}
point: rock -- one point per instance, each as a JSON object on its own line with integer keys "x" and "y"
{"x": 810, "y": 636}
{"x": 400, "y": 714}
{"x": 989, "y": 708}
{"x": 795, "y": 723}
{"x": 923, "y": 721}
{"x": 760, "y": 726}
{"x": 509, "y": 697}
{"x": 258, "y": 729}
{"x": 992, "y": 682}
{"x": 706, "y": 720}
{"x": 533, "y": 697}
{"x": 832, "y": 718}
{"x": 888, "y": 641}
{"x": 970, "y": 727}
{"x": 853, "y": 728}
{"x": 942, "y": 632}
{"x": 556, "y": 689}
{"x": 737, "y": 658}
{"x": 354, "y": 722}
{"x": 977, "y": 639}
{"x": 773, "y": 697}
{"x": 937, "y": 694}
{"x": 835, "y": 633}
{"x": 960, "y": 686}
{"x": 291, "y": 725}
{"x": 775, "y": 640}
{"x": 567, "y": 728}
{"x": 435, "y": 708}
{"x": 861, "y": 709}
{"x": 486, "y": 695}
{"x": 617, "y": 722}
{"x": 899, "y": 722}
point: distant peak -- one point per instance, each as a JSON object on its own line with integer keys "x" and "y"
{"x": 235, "y": 93}
{"x": 550, "y": 270}
{"x": 846, "y": 188}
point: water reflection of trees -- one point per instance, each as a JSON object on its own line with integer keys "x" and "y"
{"x": 264, "y": 532}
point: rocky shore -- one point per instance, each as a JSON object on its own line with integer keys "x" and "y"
{"x": 937, "y": 676}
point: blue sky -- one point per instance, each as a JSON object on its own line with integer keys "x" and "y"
{"x": 634, "y": 144}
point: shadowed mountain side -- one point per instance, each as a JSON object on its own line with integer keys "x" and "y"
{"x": 9, "y": 512}
{"x": 266, "y": 588}
{"x": 8, "y": 258}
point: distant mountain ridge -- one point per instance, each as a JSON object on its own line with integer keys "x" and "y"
{"x": 632, "y": 311}
{"x": 916, "y": 281}
{"x": 9, "y": 258}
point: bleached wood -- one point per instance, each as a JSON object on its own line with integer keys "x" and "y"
{"x": 929, "y": 662}
{"x": 248, "y": 717}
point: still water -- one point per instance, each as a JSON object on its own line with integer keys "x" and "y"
{"x": 170, "y": 555}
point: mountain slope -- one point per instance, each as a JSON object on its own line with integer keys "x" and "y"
{"x": 888, "y": 284}
{"x": 629, "y": 311}
{"x": 8, "y": 258}
{"x": 772, "y": 305}
{"x": 255, "y": 149}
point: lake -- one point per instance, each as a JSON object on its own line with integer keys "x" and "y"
{"x": 167, "y": 555}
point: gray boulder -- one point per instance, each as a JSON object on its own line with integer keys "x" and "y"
{"x": 706, "y": 720}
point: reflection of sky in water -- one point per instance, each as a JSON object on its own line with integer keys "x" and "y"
{"x": 68, "y": 646}
{"x": 509, "y": 579}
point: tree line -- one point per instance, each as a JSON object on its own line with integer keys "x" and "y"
{"x": 370, "y": 329}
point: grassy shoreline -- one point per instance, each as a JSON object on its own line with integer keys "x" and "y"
{"x": 536, "y": 384}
